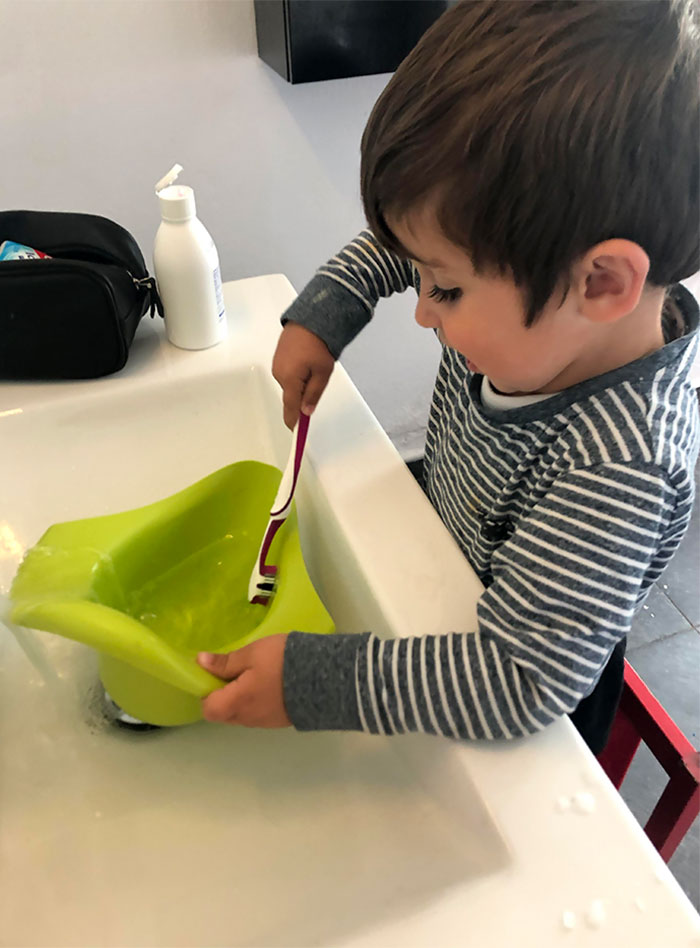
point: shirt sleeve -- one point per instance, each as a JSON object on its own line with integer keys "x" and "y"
{"x": 565, "y": 587}
{"x": 341, "y": 298}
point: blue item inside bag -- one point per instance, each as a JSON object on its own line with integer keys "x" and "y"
{"x": 10, "y": 250}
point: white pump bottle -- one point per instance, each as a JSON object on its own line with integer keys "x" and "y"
{"x": 187, "y": 270}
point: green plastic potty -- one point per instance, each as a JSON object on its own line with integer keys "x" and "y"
{"x": 151, "y": 587}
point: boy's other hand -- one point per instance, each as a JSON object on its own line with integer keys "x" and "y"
{"x": 254, "y": 696}
{"x": 302, "y": 364}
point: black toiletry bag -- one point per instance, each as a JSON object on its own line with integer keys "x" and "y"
{"x": 73, "y": 316}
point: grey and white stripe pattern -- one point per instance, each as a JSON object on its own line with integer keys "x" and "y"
{"x": 367, "y": 271}
{"x": 568, "y": 509}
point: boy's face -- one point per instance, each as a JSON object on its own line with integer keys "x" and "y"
{"x": 483, "y": 317}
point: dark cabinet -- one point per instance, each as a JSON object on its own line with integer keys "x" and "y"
{"x": 309, "y": 40}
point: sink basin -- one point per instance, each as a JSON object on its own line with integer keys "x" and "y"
{"x": 210, "y": 835}
{"x": 219, "y": 836}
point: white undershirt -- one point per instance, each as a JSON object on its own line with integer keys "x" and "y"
{"x": 493, "y": 399}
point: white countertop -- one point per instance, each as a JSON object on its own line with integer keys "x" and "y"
{"x": 549, "y": 860}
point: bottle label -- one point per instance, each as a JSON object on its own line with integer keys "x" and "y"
{"x": 219, "y": 293}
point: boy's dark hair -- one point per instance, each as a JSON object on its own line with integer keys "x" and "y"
{"x": 539, "y": 128}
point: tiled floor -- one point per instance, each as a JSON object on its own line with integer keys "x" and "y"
{"x": 664, "y": 648}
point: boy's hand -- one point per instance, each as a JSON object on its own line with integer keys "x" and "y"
{"x": 302, "y": 365}
{"x": 254, "y": 697}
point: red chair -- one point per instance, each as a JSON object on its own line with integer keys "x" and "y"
{"x": 640, "y": 717}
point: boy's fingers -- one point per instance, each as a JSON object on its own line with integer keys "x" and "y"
{"x": 314, "y": 389}
{"x": 255, "y": 698}
{"x": 227, "y": 666}
{"x": 291, "y": 416}
{"x": 221, "y": 705}
{"x": 302, "y": 365}
{"x": 291, "y": 400}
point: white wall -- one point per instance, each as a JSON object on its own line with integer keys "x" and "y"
{"x": 100, "y": 97}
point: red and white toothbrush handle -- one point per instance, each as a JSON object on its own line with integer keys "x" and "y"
{"x": 280, "y": 510}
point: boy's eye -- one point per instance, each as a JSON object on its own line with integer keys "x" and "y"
{"x": 445, "y": 296}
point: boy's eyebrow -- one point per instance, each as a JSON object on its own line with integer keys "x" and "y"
{"x": 426, "y": 263}
{"x": 430, "y": 263}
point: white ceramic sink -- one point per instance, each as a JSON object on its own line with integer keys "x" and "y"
{"x": 210, "y": 835}
{"x": 203, "y": 835}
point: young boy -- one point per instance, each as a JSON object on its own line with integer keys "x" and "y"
{"x": 532, "y": 170}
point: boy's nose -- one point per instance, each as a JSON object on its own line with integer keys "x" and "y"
{"x": 426, "y": 315}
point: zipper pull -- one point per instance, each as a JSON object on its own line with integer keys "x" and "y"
{"x": 149, "y": 284}
{"x": 156, "y": 300}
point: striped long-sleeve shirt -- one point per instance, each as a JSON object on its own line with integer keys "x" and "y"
{"x": 568, "y": 508}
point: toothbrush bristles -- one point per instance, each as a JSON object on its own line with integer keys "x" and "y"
{"x": 266, "y": 590}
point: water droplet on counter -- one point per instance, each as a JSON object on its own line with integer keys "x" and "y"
{"x": 596, "y": 914}
{"x": 640, "y": 903}
{"x": 584, "y": 801}
{"x": 568, "y": 920}
{"x": 652, "y": 615}
{"x": 563, "y": 804}
{"x": 665, "y": 585}
{"x": 645, "y": 607}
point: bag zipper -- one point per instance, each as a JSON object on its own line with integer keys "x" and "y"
{"x": 109, "y": 258}
{"x": 147, "y": 283}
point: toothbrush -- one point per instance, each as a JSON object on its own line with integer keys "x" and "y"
{"x": 263, "y": 579}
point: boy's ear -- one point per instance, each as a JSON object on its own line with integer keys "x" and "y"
{"x": 610, "y": 279}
